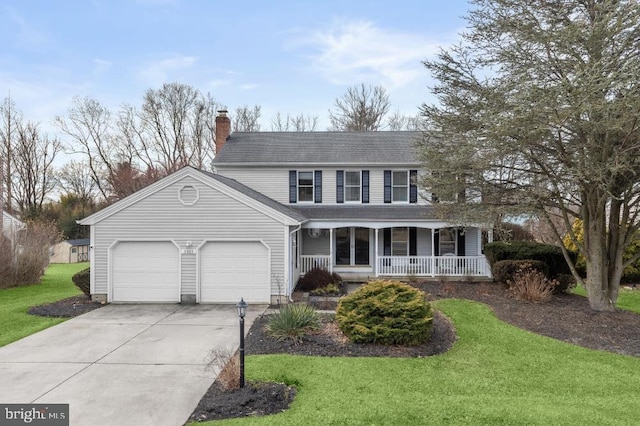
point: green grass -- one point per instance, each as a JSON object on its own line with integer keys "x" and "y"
{"x": 496, "y": 374}
{"x": 55, "y": 285}
{"x": 627, "y": 299}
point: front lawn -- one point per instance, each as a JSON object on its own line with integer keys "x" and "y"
{"x": 495, "y": 374}
{"x": 55, "y": 285}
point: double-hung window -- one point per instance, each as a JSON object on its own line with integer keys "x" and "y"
{"x": 352, "y": 186}
{"x": 305, "y": 187}
{"x": 352, "y": 189}
{"x": 400, "y": 186}
{"x": 399, "y": 241}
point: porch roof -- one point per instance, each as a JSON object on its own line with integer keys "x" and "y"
{"x": 368, "y": 212}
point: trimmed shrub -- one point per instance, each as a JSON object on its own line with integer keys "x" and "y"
{"x": 82, "y": 280}
{"x": 385, "y": 312}
{"x": 331, "y": 289}
{"x": 317, "y": 278}
{"x": 505, "y": 270}
{"x": 549, "y": 254}
{"x": 293, "y": 321}
{"x": 531, "y": 285}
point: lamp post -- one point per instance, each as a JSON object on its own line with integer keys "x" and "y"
{"x": 242, "y": 311}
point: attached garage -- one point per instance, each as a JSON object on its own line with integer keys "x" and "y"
{"x": 230, "y": 270}
{"x": 145, "y": 271}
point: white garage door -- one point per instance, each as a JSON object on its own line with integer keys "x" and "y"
{"x": 145, "y": 271}
{"x": 230, "y": 270}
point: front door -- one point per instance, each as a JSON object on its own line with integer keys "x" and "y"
{"x": 352, "y": 246}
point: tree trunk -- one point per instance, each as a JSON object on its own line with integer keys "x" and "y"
{"x": 601, "y": 286}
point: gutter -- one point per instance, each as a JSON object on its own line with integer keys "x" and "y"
{"x": 289, "y": 285}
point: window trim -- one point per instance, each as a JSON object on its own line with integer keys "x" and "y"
{"x": 346, "y": 186}
{"x": 312, "y": 186}
{"x": 406, "y": 186}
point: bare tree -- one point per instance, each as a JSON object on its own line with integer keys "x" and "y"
{"x": 34, "y": 154}
{"x": 298, "y": 123}
{"x": 88, "y": 123}
{"x": 8, "y": 133}
{"x": 245, "y": 119}
{"x": 538, "y": 113}
{"x": 397, "y": 122}
{"x": 73, "y": 179}
{"x": 361, "y": 108}
{"x": 174, "y": 127}
{"x": 178, "y": 125}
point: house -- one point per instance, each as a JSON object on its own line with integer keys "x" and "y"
{"x": 70, "y": 251}
{"x": 275, "y": 206}
{"x": 11, "y": 225}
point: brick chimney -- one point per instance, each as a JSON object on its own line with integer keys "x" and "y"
{"x": 223, "y": 129}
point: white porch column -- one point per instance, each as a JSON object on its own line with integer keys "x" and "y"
{"x": 433, "y": 252}
{"x": 330, "y": 249}
{"x": 375, "y": 253}
{"x": 490, "y": 235}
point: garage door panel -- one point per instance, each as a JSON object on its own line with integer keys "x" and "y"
{"x": 145, "y": 271}
{"x": 230, "y": 270}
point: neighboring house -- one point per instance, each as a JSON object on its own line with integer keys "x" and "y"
{"x": 277, "y": 205}
{"x": 70, "y": 251}
{"x": 11, "y": 225}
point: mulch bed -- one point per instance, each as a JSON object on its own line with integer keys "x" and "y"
{"x": 566, "y": 317}
{"x": 66, "y": 308}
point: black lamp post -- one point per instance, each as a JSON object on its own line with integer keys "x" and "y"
{"x": 242, "y": 311}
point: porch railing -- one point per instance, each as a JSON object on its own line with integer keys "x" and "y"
{"x": 315, "y": 261}
{"x": 461, "y": 266}
{"x": 473, "y": 266}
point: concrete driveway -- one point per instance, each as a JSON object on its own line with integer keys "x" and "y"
{"x": 123, "y": 364}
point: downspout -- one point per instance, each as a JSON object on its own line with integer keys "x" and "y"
{"x": 289, "y": 284}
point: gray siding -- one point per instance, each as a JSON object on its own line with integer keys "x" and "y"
{"x": 188, "y": 273}
{"x": 274, "y": 182}
{"x": 161, "y": 216}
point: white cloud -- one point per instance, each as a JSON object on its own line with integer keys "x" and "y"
{"x": 100, "y": 65}
{"x": 164, "y": 70}
{"x": 214, "y": 84}
{"x": 359, "y": 51}
{"x": 248, "y": 86}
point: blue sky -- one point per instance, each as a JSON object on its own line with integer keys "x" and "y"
{"x": 287, "y": 56}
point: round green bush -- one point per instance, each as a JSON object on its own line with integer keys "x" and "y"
{"x": 385, "y": 312}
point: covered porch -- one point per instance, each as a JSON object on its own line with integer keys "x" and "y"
{"x": 379, "y": 250}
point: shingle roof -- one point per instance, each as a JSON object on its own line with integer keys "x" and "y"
{"x": 79, "y": 242}
{"x": 266, "y": 148}
{"x": 367, "y": 212}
